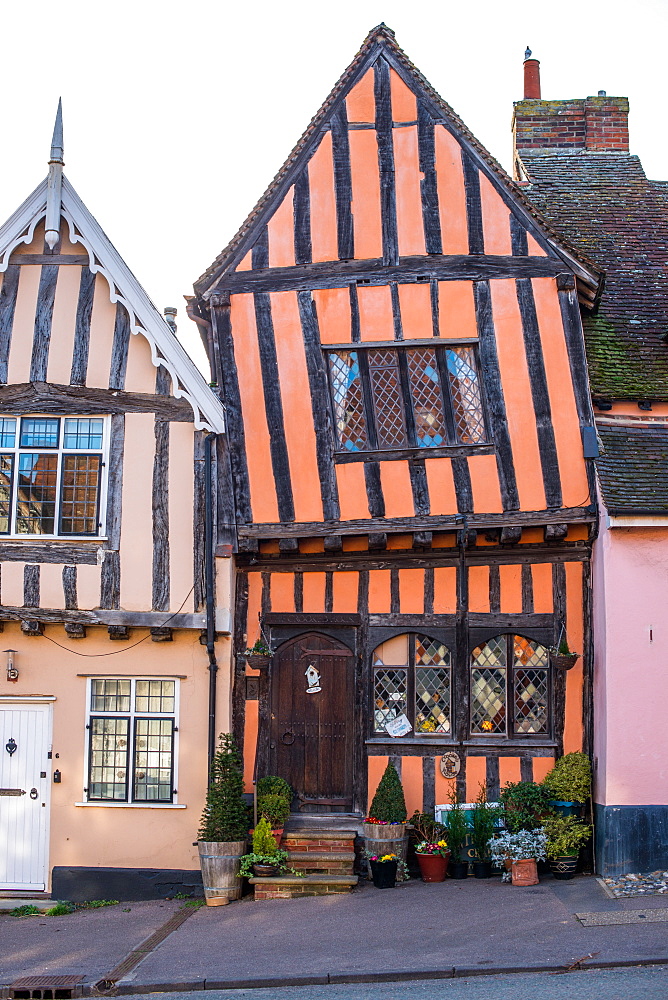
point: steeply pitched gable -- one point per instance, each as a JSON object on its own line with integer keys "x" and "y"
{"x": 386, "y": 170}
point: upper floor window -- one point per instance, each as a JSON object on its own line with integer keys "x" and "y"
{"x": 390, "y": 398}
{"x": 51, "y": 475}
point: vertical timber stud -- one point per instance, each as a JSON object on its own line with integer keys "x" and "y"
{"x": 199, "y": 515}
{"x": 343, "y": 183}
{"x": 43, "y": 318}
{"x": 110, "y": 575}
{"x": 461, "y": 678}
{"x": 82, "y": 327}
{"x": 120, "y": 348}
{"x": 428, "y": 784}
{"x": 473, "y": 205}
{"x": 209, "y": 592}
{"x": 527, "y": 589}
{"x": 428, "y": 187}
{"x": 489, "y": 362}
{"x": 302, "y": 218}
{"x": 160, "y": 516}
{"x": 388, "y": 205}
{"x": 518, "y": 237}
{"x": 363, "y": 696}
{"x": 559, "y": 676}
{"x": 10, "y": 286}
{"x": 70, "y": 587}
{"x": 492, "y": 778}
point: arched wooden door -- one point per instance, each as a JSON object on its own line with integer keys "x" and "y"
{"x": 312, "y": 691}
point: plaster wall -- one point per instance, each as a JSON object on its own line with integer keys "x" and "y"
{"x": 631, "y": 639}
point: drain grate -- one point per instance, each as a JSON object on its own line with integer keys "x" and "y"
{"x": 46, "y": 988}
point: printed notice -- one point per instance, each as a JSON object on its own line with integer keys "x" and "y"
{"x": 399, "y": 726}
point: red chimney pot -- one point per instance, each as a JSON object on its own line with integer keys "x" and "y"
{"x": 531, "y": 77}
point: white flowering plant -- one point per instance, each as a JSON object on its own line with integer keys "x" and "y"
{"x": 518, "y": 846}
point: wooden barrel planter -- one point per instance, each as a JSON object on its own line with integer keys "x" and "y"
{"x": 220, "y": 870}
{"x": 390, "y": 841}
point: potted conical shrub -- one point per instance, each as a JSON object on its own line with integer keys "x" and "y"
{"x": 224, "y": 825}
{"x": 385, "y": 825}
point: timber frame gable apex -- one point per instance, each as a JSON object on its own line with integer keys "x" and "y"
{"x": 103, "y": 258}
{"x": 381, "y": 42}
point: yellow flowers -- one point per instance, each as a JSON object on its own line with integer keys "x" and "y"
{"x": 487, "y": 726}
{"x": 389, "y": 857}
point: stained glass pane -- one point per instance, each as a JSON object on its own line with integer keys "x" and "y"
{"x": 83, "y": 433}
{"x": 108, "y": 773}
{"x": 110, "y": 695}
{"x": 493, "y": 654}
{"x": 527, "y": 653}
{"x": 36, "y": 487}
{"x": 153, "y": 760}
{"x": 432, "y": 700}
{"x": 154, "y": 696}
{"x": 348, "y": 402}
{"x": 389, "y": 696}
{"x": 40, "y": 432}
{"x": 427, "y": 400}
{"x": 431, "y": 651}
{"x": 387, "y": 401}
{"x": 6, "y": 469}
{"x": 531, "y": 700}
{"x": 7, "y": 432}
{"x": 465, "y": 392}
{"x": 79, "y": 493}
{"x": 488, "y": 700}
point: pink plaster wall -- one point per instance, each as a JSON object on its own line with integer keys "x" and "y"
{"x": 630, "y": 671}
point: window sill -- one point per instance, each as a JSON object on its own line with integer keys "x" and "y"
{"x": 65, "y": 539}
{"x": 132, "y": 805}
{"x": 450, "y": 451}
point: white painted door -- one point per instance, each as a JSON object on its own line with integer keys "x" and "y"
{"x": 24, "y": 791}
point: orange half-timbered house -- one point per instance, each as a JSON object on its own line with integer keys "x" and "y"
{"x": 398, "y": 338}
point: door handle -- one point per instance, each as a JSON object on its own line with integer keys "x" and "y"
{"x": 12, "y": 791}
{"x": 34, "y": 794}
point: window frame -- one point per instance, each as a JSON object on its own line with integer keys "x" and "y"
{"x": 453, "y": 446}
{"x": 411, "y": 706}
{"x": 132, "y": 716}
{"x": 61, "y": 452}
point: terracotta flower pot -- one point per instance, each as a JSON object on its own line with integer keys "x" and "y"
{"x": 525, "y": 872}
{"x": 433, "y": 867}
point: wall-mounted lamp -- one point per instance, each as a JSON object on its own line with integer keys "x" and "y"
{"x": 12, "y": 671}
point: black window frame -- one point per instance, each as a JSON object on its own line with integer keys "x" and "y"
{"x": 510, "y": 736}
{"x": 411, "y": 706}
{"x": 453, "y": 445}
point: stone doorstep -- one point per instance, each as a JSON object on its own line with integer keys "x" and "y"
{"x": 331, "y": 862}
{"x": 291, "y": 886}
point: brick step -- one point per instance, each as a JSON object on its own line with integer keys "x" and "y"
{"x": 293, "y": 887}
{"x": 322, "y": 862}
{"x": 318, "y": 840}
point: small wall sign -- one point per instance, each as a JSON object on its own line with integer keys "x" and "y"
{"x": 312, "y": 680}
{"x": 399, "y": 726}
{"x": 450, "y": 764}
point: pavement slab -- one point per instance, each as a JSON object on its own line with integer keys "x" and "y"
{"x": 477, "y": 925}
{"x": 88, "y": 942}
{"x": 656, "y": 915}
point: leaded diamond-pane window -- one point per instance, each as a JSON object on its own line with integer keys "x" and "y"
{"x": 389, "y": 696}
{"x": 394, "y": 398}
{"x": 421, "y": 689}
{"x": 510, "y": 669}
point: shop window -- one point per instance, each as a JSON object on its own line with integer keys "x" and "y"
{"x": 397, "y": 398}
{"x": 51, "y": 475}
{"x": 412, "y": 681}
{"x": 509, "y": 688}
{"x": 131, "y": 730}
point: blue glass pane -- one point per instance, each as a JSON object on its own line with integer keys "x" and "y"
{"x": 84, "y": 433}
{"x": 39, "y": 432}
{"x": 7, "y": 432}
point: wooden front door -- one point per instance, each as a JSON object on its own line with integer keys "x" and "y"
{"x": 312, "y": 692}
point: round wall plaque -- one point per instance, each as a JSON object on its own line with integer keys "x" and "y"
{"x": 450, "y": 764}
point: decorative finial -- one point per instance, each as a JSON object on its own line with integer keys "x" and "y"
{"x": 54, "y": 181}
{"x": 527, "y": 54}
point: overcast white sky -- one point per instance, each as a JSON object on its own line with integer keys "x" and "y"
{"x": 177, "y": 115}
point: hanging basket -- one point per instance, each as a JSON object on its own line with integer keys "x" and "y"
{"x": 257, "y": 661}
{"x": 564, "y": 661}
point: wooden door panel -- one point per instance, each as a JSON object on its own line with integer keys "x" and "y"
{"x": 312, "y": 734}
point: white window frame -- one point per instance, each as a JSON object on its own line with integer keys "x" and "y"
{"x": 60, "y": 451}
{"x": 131, "y": 715}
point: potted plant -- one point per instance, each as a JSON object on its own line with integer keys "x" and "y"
{"x": 275, "y": 809}
{"x": 258, "y": 656}
{"x": 387, "y": 815}
{"x": 266, "y": 859}
{"x": 562, "y": 658}
{"x": 457, "y": 831}
{"x": 484, "y": 818}
{"x": 568, "y": 784}
{"x": 433, "y": 860}
{"x": 525, "y": 803}
{"x": 384, "y": 870}
{"x": 565, "y": 836}
{"x": 224, "y": 825}
{"x": 522, "y": 850}
{"x": 271, "y": 784}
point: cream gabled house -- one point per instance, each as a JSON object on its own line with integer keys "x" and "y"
{"x": 112, "y": 510}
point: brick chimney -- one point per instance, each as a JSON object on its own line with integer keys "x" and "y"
{"x": 596, "y": 124}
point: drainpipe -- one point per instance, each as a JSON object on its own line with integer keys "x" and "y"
{"x": 210, "y": 601}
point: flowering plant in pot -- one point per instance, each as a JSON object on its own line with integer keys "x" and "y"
{"x": 384, "y": 870}
{"x": 266, "y": 858}
{"x": 565, "y": 836}
{"x": 258, "y": 656}
{"x": 521, "y": 850}
{"x": 433, "y": 860}
{"x": 485, "y": 818}
{"x": 568, "y": 784}
{"x": 387, "y": 815}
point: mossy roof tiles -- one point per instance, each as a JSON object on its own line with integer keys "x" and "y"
{"x": 633, "y": 469}
{"x": 608, "y": 210}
